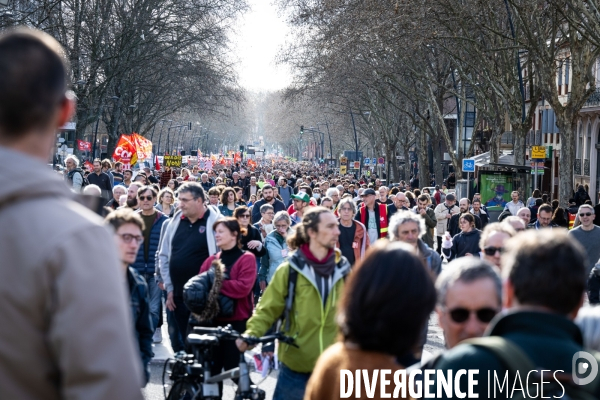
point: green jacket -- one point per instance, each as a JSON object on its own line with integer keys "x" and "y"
{"x": 311, "y": 324}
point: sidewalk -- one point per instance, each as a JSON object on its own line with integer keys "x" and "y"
{"x": 162, "y": 351}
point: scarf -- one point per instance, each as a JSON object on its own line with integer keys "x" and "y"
{"x": 322, "y": 267}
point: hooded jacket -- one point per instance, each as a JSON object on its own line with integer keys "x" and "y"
{"x": 66, "y": 327}
{"x": 276, "y": 254}
{"x": 312, "y": 324}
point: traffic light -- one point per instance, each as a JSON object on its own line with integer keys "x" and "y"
{"x": 301, "y": 130}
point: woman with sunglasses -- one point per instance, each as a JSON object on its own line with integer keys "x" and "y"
{"x": 251, "y": 241}
{"x": 492, "y": 241}
{"x": 464, "y": 243}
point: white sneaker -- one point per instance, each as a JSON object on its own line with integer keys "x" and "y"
{"x": 157, "y": 337}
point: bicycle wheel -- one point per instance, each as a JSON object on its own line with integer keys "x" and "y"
{"x": 183, "y": 390}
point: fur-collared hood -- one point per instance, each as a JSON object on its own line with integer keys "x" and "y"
{"x": 217, "y": 269}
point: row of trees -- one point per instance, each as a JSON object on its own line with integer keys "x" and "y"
{"x": 411, "y": 63}
{"x": 137, "y": 62}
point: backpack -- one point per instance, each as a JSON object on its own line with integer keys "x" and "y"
{"x": 515, "y": 360}
{"x": 84, "y": 182}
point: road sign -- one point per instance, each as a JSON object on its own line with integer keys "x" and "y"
{"x": 468, "y": 165}
{"x": 356, "y": 164}
{"x": 374, "y": 161}
{"x": 367, "y": 161}
{"x": 540, "y": 168}
{"x": 344, "y": 161}
{"x": 342, "y": 170}
{"x": 381, "y": 161}
{"x": 538, "y": 152}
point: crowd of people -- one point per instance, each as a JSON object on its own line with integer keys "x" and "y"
{"x": 349, "y": 267}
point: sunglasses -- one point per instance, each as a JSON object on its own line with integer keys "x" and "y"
{"x": 143, "y": 198}
{"x": 460, "y": 315}
{"x": 245, "y": 216}
{"x": 585, "y": 214}
{"x": 490, "y": 251}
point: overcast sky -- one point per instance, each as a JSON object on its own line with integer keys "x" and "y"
{"x": 260, "y": 34}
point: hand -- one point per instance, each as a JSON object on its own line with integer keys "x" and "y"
{"x": 449, "y": 215}
{"x": 422, "y": 211}
{"x": 263, "y": 285}
{"x": 253, "y": 244}
{"x": 161, "y": 286}
{"x": 468, "y": 254}
{"x": 242, "y": 346}
{"x": 170, "y": 302}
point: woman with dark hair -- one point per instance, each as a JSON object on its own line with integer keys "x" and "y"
{"x": 228, "y": 202}
{"x": 378, "y": 318}
{"x": 252, "y": 239}
{"x": 240, "y": 268}
{"x": 559, "y": 217}
{"x": 534, "y": 196}
{"x": 464, "y": 243}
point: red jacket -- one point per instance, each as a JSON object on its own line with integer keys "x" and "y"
{"x": 239, "y": 285}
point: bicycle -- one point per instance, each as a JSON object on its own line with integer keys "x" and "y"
{"x": 191, "y": 375}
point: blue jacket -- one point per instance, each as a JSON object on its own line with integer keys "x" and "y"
{"x": 146, "y": 267}
{"x": 275, "y": 245}
{"x": 140, "y": 311}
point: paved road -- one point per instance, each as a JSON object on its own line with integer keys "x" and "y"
{"x": 154, "y": 389}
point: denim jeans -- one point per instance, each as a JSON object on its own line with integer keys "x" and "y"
{"x": 154, "y": 294}
{"x": 290, "y": 385}
{"x": 174, "y": 336}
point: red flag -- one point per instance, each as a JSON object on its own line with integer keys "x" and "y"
{"x": 156, "y": 163}
{"x": 84, "y": 146}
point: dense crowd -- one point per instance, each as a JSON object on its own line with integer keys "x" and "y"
{"x": 350, "y": 267}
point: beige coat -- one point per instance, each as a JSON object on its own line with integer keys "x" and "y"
{"x": 441, "y": 212}
{"x": 66, "y": 330}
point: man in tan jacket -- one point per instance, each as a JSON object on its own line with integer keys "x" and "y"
{"x": 66, "y": 330}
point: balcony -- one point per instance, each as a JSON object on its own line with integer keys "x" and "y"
{"x": 592, "y": 101}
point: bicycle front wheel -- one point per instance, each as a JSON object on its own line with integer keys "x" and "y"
{"x": 183, "y": 390}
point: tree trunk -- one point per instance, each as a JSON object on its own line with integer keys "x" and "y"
{"x": 438, "y": 157}
{"x": 519, "y": 135}
{"x": 423, "y": 160}
{"x": 406, "y": 163}
{"x": 567, "y": 123}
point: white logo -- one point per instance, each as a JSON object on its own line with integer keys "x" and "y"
{"x": 580, "y": 368}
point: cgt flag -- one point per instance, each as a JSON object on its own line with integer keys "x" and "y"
{"x": 156, "y": 163}
{"x": 125, "y": 151}
{"x": 84, "y": 146}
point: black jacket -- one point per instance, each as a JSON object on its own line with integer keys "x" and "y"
{"x": 140, "y": 307}
{"x": 253, "y": 234}
{"x": 454, "y": 228}
{"x": 594, "y": 285}
{"x": 277, "y": 206}
{"x": 581, "y": 196}
{"x": 464, "y": 243}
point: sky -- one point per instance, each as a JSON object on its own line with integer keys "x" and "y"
{"x": 260, "y": 34}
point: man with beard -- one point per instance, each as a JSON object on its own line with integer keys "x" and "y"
{"x": 132, "y": 191}
{"x": 268, "y": 198}
{"x": 101, "y": 180}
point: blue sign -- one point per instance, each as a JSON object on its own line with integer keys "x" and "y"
{"x": 468, "y": 165}
{"x": 367, "y": 161}
{"x": 374, "y": 161}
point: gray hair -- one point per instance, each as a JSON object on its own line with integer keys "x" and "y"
{"x": 402, "y": 217}
{"x": 587, "y": 206}
{"x": 347, "y": 200}
{"x": 340, "y": 188}
{"x": 120, "y": 187}
{"x": 193, "y": 188}
{"x": 467, "y": 270}
{"x": 331, "y": 191}
{"x": 496, "y": 227}
{"x": 266, "y": 207}
{"x": 281, "y": 216}
{"x": 92, "y": 190}
{"x": 73, "y": 158}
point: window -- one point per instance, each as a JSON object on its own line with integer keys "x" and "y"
{"x": 567, "y": 65}
{"x": 588, "y": 143}
{"x": 580, "y": 143}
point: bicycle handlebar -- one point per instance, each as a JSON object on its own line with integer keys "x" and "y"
{"x": 229, "y": 333}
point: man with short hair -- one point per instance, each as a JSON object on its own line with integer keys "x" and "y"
{"x": 285, "y": 191}
{"x": 469, "y": 297}
{"x": 117, "y": 173}
{"x": 268, "y": 198}
{"x": 428, "y": 215}
{"x": 443, "y": 212}
{"x": 544, "y": 218}
{"x": 514, "y": 205}
{"x": 251, "y": 189}
{"x": 383, "y": 195}
{"x": 588, "y": 235}
{"x": 301, "y": 201}
{"x": 186, "y": 241}
{"x": 128, "y": 228}
{"x": 127, "y": 175}
{"x": 102, "y": 180}
{"x": 106, "y": 168}
{"x": 538, "y": 325}
{"x": 66, "y": 329}
{"x": 327, "y": 202}
{"x": 525, "y": 214}
{"x": 374, "y": 216}
{"x": 480, "y": 213}
{"x": 317, "y": 270}
{"x": 205, "y": 182}
{"x": 145, "y": 262}
{"x": 118, "y": 191}
{"x": 132, "y": 191}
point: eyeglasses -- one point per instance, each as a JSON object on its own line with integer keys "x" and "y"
{"x": 127, "y": 238}
{"x": 585, "y": 214}
{"x": 245, "y": 216}
{"x": 491, "y": 250}
{"x": 281, "y": 226}
{"x": 460, "y": 315}
{"x": 143, "y": 198}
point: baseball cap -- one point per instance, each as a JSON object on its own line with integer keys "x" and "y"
{"x": 301, "y": 196}
{"x": 368, "y": 192}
